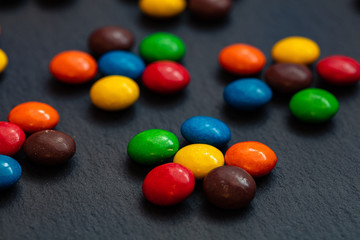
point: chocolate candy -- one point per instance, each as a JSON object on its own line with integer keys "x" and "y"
{"x": 49, "y": 147}
{"x": 10, "y": 172}
{"x": 110, "y": 38}
{"x": 229, "y": 187}
{"x": 162, "y": 8}
{"x": 3, "y": 60}
{"x": 210, "y": 9}
{"x": 288, "y": 77}
{"x": 12, "y": 138}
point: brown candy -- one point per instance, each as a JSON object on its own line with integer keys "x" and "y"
{"x": 210, "y": 9}
{"x": 49, "y": 147}
{"x": 110, "y": 38}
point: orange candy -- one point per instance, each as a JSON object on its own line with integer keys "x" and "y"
{"x": 242, "y": 59}
{"x": 254, "y": 157}
{"x": 73, "y": 67}
{"x": 34, "y": 116}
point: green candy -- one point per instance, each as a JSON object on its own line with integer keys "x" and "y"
{"x": 162, "y": 46}
{"x": 314, "y": 105}
{"x": 153, "y": 146}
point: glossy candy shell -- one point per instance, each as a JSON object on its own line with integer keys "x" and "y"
{"x": 10, "y": 172}
{"x": 162, "y": 8}
{"x": 12, "y": 138}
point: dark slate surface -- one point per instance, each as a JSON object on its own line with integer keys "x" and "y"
{"x": 313, "y": 193}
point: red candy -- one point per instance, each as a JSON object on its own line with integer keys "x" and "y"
{"x": 340, "y": 70}
{"x": 12, "y": 138}
{"x": 165, "y": 77}
{"x": 168, "y": 184}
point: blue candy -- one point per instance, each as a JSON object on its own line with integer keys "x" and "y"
{"x": 206, "y": 130}
{"x": 10, "y": 172}
{"x": 247, "y": 94}
{"x": 121, "y": 63}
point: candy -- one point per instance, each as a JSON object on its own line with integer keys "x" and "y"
{"x": 247, "y": 94}
{"x": 210, "y": 9}
{"x": 110, "y": 38}
{"x": 254, "y": 157}
{"x": 12, "y": 138}
{"x": 162, "y": 46}
{"x": 49, "y": 147}
{"x": 153, "y": 146}
{"x": 340, "y": 70}
{"x": 295, "y": 49}
{"x": 165, "y": 77}
{"x": 3, "y": 60}
{"x": 10, "y": 172}
{"x": 113, "y": 93}
{"x": 229, "y": 187}
{"x": 162, "y": 8}
{"x": 242, "y": 59}
{"x": 121, "y": 63}
{"x": 34, "y": 116}
{"x": 168, "y": 184}
{"x": 199, "y": 158}
{"x": 314, "y": 105}
{"x": 288, "y": 77}
{"x": 73, "y": 67}
{"x": 208, "y": 130}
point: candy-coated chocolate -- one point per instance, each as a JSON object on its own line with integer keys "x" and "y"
{"x": 162, "y": 46}
{"x": 208, "y": 130}
{"x": 288, "y": 77}
{"x": 210, "y": 9}
{"x": 340, "y": 70}
{"x": 254, "y": 157}
{"x": 3, "y": 60}
{"x": 10, "y": 172}
{"x": 110, "y": 38}
{"x": 12, "y": 138}
{"x": 242, "y": 59}
{"x": 121, "y": 63}
{"x": 73, "y": 67}
{"x": 199, "y": 158}
{"x": 153, "y": 146}
{"x": 49, "y": 147}
{"x": 113, "y": 93}
{"x": 295, "y": 49}
{"x": 229, "y": 187}
{"x": 165, "y": 77}
{"x": 314, "y": 105}
{"x": 168, "y": 184}
{"x": 34, "y": 116}
{"x": 162, "y": 8}
{"x": 247, "y": 94}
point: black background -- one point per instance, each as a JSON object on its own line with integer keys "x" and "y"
{"x": 313, "y": 193}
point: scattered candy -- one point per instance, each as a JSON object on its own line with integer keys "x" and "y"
{"x": 254, "y": 157}
{"x": 199, "y": 158}
{"x": 121, "y": 63}
{"x": 165, "y": 77}
{"x": 162, "y": 8}
{"x": 113, "y": 93}
{"x": 3, "y": 60}
{"x": 153, "y": 146}
{"x": 162, "y": 46}
{"x": 10, "y": 172}
{"x": 242, "y": 59}
{"x": 12, "y": 138}
{"x": 247, "y": 94}
{"x": 34, "y": 116}
{"x": 229, "y": 187}
{"x": 340, "y": 70}
{"x": 168, "y": 184}
{"x": 207, "y": 130}
{"x": 314, "y": 105}
{"x": 49, "y": 147}
{"x": 210, "y": 9}
{"x": 73, "y": 67}
{"x": 109, "y": 38}
{"x": 295, "y": 49}
{"x": 288, "y": 77}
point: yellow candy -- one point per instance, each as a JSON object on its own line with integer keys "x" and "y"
{"x": 299, "y": 50}
{"x": 162, "y": 8}
{"x": 199, "y": 158}
{"x": 114, "y": 93}
{"x": 3, "y": 60}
